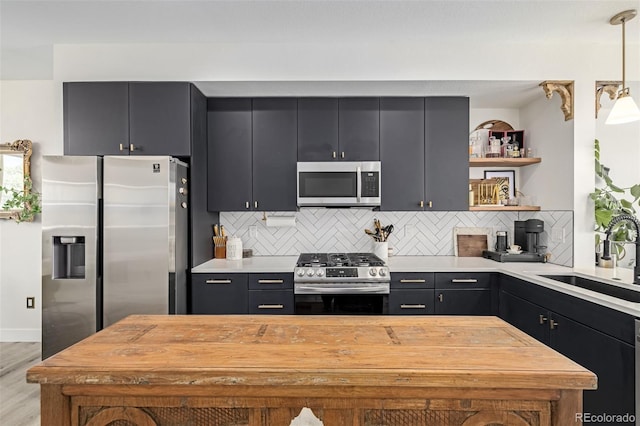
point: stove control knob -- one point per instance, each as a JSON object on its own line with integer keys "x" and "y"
{"x": 310, "y": 272}
{"x": 382, "y": 272}
{"x": 300, "y": 272}
{"x": 320, "y": 272}
{"x": 373, "y": 272}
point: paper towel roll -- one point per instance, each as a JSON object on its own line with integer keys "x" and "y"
{"x": 281, "y": 221}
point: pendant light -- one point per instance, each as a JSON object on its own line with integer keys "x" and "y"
{"x": 625, "y": 109}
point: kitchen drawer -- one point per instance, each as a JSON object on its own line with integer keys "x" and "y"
{"x": 409, "y": 280}
{"x": 219, "y": 293}
{"x": 279, "y": 302}
{"x": 411, "y": 302}
{"x": 270, "y": 281}
{"x": 458, "y": 280}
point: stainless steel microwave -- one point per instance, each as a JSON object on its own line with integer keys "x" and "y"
{"x": 339, "y": 184}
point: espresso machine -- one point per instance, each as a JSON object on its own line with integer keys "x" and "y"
{"x": 526, "y": 235}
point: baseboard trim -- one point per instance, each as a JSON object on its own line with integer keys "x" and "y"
{"x": 20, "y": 335}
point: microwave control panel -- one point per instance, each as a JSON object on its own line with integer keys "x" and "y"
{"x": 370, "y": 184}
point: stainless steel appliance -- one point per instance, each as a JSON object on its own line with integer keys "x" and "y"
{"x": 339, "y": 183}
{"x": 527, "y": 235}
{"x": 341, "y": 284}
{"x": 114, "y": 243}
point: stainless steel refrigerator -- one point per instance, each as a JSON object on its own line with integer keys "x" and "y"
{"x": 114, "y": 243}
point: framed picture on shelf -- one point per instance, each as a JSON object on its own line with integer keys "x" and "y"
{"x": 506, "y": 180}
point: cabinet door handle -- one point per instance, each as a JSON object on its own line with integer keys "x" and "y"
{"x": 542, "y": 319}
{"x": 270, "y": 306}
{"x": 417, "y": 306}
{"x": 342, "y": 154}
{"x": 553, "y": 325}
{"x": 246, "y": 205}
{"x": 334, "y": 155}
{"x": 270, "y": 281}
{"x": 132, "y": 147}
{"x": 430, "y": 204}
{"x": 121, "y": 147}
{"x": 218, "y": 281}
{"x": 464, "y": 280}
{"x": 441, "y": 297}
{"x": 255, "y": 204}
{"x": 413, "y": 281}
{"x": 421, "y": 203}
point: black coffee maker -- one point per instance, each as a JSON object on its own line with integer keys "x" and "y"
{"x": 527, "y": 235}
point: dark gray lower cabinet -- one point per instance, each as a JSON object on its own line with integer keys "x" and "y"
{"x": 598, "y": 338}
{"x": 464, "y": 293}
{"x": 219, "y": 293}
{"x": 271, "y": 294}
{"x": 411, "y": 294}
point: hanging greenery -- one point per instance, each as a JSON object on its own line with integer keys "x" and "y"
{"x": 24, "y": 204}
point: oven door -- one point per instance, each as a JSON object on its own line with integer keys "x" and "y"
{"x": 341, "y": 299}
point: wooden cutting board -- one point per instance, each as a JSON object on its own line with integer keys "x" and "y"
{"x": 471, "y": 245}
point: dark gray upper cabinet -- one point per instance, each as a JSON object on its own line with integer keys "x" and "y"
{"x": 120, "y": 118}
{"x": 359, "y": 129}
{"x": 96, "y": 118}
{"x": 274, "y": 153}
{"x": 446, "y": 153}
{"x": 229, "y": 154}
{"x": 159, "y": 118}
{"x": 317, "y": 129}
{"x": 402, "y": 153}
{"x": 338, "y": 129}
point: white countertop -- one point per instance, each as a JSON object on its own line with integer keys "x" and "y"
{"x": 527, "y": 271}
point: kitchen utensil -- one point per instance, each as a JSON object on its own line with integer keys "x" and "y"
{"x": 215, "y": 230}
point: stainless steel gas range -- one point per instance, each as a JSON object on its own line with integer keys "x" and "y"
{"x": 341, "y": 284}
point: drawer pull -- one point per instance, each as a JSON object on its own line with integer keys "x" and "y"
{"x": 270, "y": 281}
{"x": 441, "y": 297}
{"x": 418, "y": 306}
{"x": 542, "y": 319}
{"x": 270, "y": 306}
{"x": 218, "y": 281}
{"x": 413, "y": 281}
{"x": 464, "y": 280}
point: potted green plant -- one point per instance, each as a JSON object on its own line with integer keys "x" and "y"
{"x": 610, "y": 201}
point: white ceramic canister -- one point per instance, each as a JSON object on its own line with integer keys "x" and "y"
{"x": 234, "y": 248}
{"x": 381, "y": 249}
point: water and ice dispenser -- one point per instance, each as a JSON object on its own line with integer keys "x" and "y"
{"x": 68, "y": 257}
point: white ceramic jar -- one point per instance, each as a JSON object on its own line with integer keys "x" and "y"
{"x": 234, "y": 248}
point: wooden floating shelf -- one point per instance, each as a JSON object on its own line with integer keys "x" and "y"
{"x": 502, "y": 162}
{"x": 504, "y": 208}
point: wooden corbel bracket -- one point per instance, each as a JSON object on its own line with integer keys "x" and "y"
{"x": 608, "y": 87}
{"x": 565, "y": 90}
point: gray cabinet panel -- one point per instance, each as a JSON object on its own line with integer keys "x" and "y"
{"x": 411, "y": 302}
{"x": 96, "y": 118}
{"x": 274, "y": 154}
{"x": 463, "y": 302}
{"x": 402, "y": 153}
{"x": 359, "y": 129}
{"x": 447, "y": 153}
{"x": 219, "y": 294}
{"x": 317, "y": 129}
{"x": 229, "y": 154}
{"x": 274, "y": 302}
{"x": 159, "y": 118}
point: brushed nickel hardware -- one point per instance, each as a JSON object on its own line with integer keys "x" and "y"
{"x": 255, "y": 204}
{"x": 270, "y": 306}
{"x": 413, "y": 281}
{"x": 183, "y": 204}
{"x": 430, "y": 204}
{"x": 334, "y": 154}
{"x": 270, "y": 281}
{"x": 182, "y": 191}
{"x": 441, "y": 297}
{"x": 342, "y": 154}
{"x": 183, "y": 180}
{"x": 417, "y": 306}
{"x": 464, "y": 280}
{"x": 246, "y": 205}
{"x": 542, "y": 319}
{"x": 421, "y": 203}
{"x": 121, "y": 147}
{"x": 553, "y": 325}
{"x": 132, "y": 147}
{"x": 218, "y": 281}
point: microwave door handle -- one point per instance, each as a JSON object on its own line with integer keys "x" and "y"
{"x": 358, "y": 183}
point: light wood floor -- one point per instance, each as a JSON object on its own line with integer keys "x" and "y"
{"x": 19, "y": 400}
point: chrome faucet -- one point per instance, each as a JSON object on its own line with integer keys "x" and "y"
{"x": 636, "y": 223}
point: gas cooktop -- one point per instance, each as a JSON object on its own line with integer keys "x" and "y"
{"x": 339, "y": 259}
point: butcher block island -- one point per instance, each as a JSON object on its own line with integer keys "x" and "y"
{"x": 349, "y": 370}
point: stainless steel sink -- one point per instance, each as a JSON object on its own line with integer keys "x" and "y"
{"x": 597, "y": 286}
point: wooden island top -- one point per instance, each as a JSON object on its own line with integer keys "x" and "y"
{"x": 263, "y": 369}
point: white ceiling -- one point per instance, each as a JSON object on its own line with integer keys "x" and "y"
{"x": 35, "y": 26}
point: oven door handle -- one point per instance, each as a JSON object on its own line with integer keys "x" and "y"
{"x": 358, "y": 183}
{"x": 343, "y": 289}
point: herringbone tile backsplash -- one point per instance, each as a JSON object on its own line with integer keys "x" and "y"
{"x": 415, "y": 233}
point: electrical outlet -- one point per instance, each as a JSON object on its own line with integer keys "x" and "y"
{"x": 31, "y": 302}
{"x": 253, "y": 231}
{"x": 558, "y": 235}
{"x": 409, "y": 230}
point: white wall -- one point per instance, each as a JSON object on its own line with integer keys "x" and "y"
{"x": 32, "y": 109}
